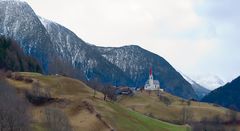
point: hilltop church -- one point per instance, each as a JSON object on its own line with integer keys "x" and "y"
{"x": 152, "y": 84}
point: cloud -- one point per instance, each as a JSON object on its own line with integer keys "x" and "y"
{"x": 224, "y": 17}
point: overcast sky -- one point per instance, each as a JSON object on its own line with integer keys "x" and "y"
{"x": 195, "y": 36}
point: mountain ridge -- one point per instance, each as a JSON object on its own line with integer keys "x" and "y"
{"x": 209, "y": 81}
{"x": 136, "y": 62}
{"x": 58, "y": 49}
{"x": 226, "y": 96}
{"x": 199, "y": 89}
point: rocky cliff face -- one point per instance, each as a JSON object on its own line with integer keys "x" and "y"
{"x": 82, "y": 57}
{"x": 18, "y": 21}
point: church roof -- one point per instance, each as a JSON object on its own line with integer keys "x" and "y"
{"x": 156, "y": 82}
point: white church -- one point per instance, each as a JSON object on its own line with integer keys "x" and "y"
{"x": 152, "y": 84}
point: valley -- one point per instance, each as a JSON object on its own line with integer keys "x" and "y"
{"x": 51, "y": 79}
{"x": 83, "y": 110}
{"x": 142, "y": 111}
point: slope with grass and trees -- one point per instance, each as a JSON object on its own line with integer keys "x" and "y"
{"x": 169, "y": 108}
{"x": 73, "y": 102}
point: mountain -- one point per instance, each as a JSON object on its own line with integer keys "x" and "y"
{"x": 19, "y": 22}
{"x": 227, "y": 95}
{"x": 209, "y": 81}
{"x": 12, "y": 57}
{"x": 136, "y": 61}
{"x": 74, "y": 51}
{"x": 59, "y": 50}
{"x": 200, "y": 90}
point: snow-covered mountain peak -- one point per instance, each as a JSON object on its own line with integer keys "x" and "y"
{"x": 198, "y": 88}
{"x": 209, "y": 81}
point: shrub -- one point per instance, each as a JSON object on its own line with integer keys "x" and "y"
{"x": 189, "y": 102}
{"x": 99, "y": 116}
{"x": 165, "y": 100}
{"x": 109, "y": 92}
{"x": 28, "y": 80}
{"x": 18, "y": 77}
{"x": 38, "y": 96}
{"x": 8, "y": 74}
{"x": 214, "y": 124}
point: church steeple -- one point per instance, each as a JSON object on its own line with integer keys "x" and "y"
{"x": 151, "y": 76}
{"x": 150, "y": 73}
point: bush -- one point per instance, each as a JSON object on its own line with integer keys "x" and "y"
{"x": 216, "y": 105}
{"x": 99, "y": 116}
{"x": 9, "y": 74}
{"x": 2, "y": 74}
{"x": 189, "y": 102}
{"x": 232, "y": 116}
{"x": 165, "y": 100}
{"x": 28, "y": 80}
{"x": 18, "y": 77}
{"x": 214, "y": 124}
{"x": 89, "y": 106}
{"x": 38, "y": 96}
{"x": 109, "y": 92}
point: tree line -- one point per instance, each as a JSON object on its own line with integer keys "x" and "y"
{"x": 13, "y": 58}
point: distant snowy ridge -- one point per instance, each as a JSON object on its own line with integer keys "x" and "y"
{"x": 209, "y": 81}
{"x": 199, "y": 89}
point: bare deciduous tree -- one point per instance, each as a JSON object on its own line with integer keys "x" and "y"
{"x": 14, "y": 114}
{"x": 56, "y": 120}
{"x": 210, "y": 124}
{"x": 232, "y": 116}
{"x": 186, "y": 114}
{"x": 189, "y": 102}
{"x": 95, "y": 85}
{"x": 109, "y": 92}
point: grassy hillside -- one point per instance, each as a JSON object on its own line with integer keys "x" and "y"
{"x": 151, "y": 105}
{"x": 84, "y": 111}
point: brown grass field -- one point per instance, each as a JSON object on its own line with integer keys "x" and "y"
{"x": 86, "y": 112}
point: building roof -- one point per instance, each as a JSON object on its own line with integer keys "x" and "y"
{"x": 155, "y": 82}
